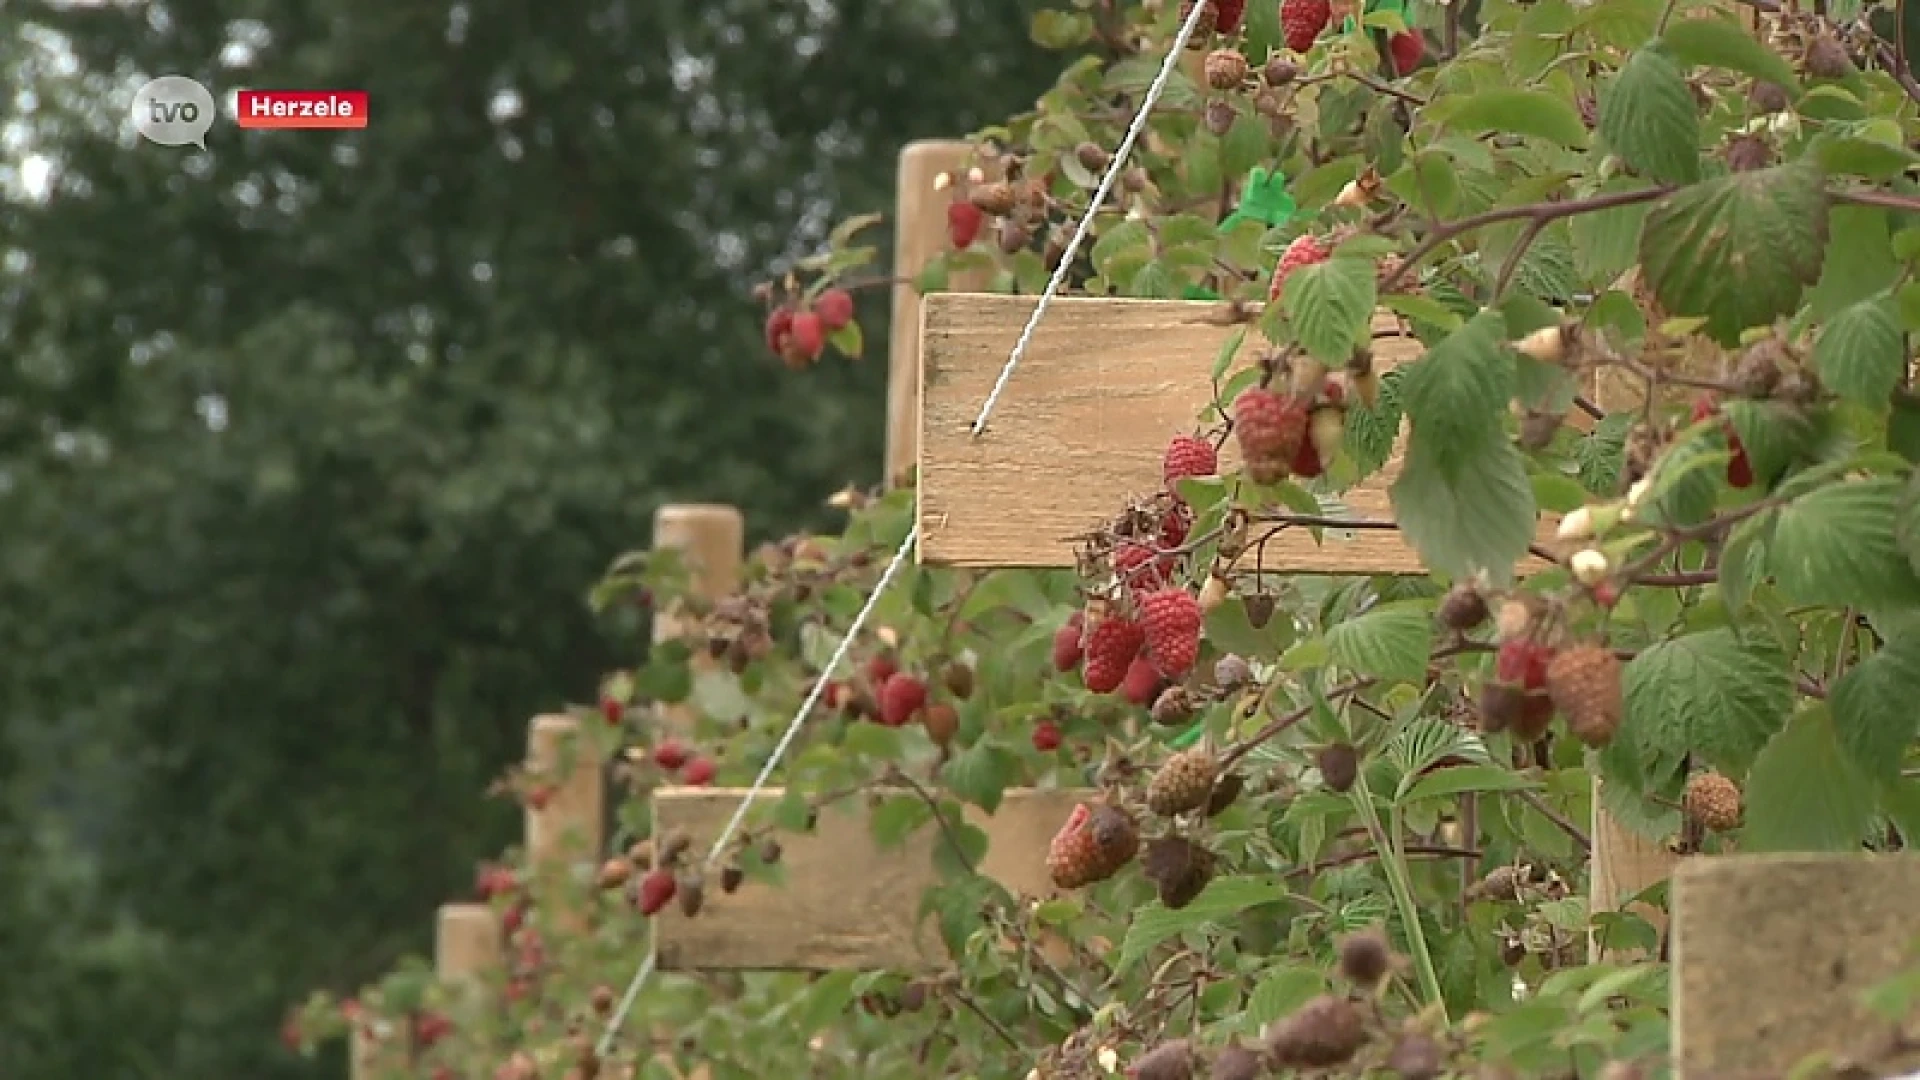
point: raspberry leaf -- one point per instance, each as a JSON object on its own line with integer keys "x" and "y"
{"x": 1837, "y": 545}
{"x": 1738, "y": 250}
{"x": 1392, "y": 641}
{"x": 1513, "y": 112}
{"x": 980, "y": 774}
{"x": 1714, "y": 694}
{"x": 1650, "y": 119}
{"x": 1223, "y": 898}
{"x": 1459, "y": 390}
{"x": 1330, "y": 306}
{"x": 1861, "y": 352}
{"x": 1804, "y": 793}
{"x": 1465, "y": 511}
{"x": 1715, "y": 42}
{"x": 1873, "y": 711}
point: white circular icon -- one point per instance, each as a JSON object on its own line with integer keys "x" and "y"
{"x": 173, "y": 110}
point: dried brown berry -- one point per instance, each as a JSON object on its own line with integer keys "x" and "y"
{"x": 913, "y": 996}
{"x": 1173, "y": 706}
{"x": 1178, "y": 868}
{"x": 1758, "y": 373}
{"x": 1584, "y": 683}
{"x": 1220, "y": 117}
{"x": 1237, "y": 1063}
{"x": 1013, "y": 237}
{"x": 730, "y": 878}
{"x": 1463, "y": 608}
{"x": 996, "y": 198}
{"x": 640, "y": 854}
{"x": 1324, "y": 1032}
{"x": 1537, "y": 428}
{"x": 614, "y": 873}
{"x": 1259, "y": 608}
{"x": 1202, "y": 29}
{"x": 1415, "y": 1057}
{"x": 1225, "y": 790}
{"x": 770, "y": 849}
{"x": 1225, "y": 69}
{"x": 1713, "y": 801}
{"x": 1767, "y": 97}
{"x": 1365, "y": 958}
{"x": 1501, "y": 883}
{"x": 602, "y": 999}
{"x": 1500, "y": 706}
{"x": 1826, "y": 58}
{"x": 1339, "y": 766}
{"x": 959, "y": 680}
{"x": 1171, "y": 1060}
{"x": 1748, "y": 153}
{"x": 692, "y": 892}
{"x": 1093, "y": 157}
{"x": 1231, "y": 672}
{"x": 1184, "y": 782}
{"x": 1512, "y": 951}
{"x": 1279, "y": 72}
{"x": 941, "y": 722}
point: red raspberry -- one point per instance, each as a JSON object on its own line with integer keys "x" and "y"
{"x": 1171, "y": 619}
{"x": 808, "y": 335}
{"x": 1131, "y": 561}
{"x": 1066, "y": 643}
{"x": 429, "y": 1028}
{"x": 1704, "y": 406}
{"x": 963, "y": 223}
{"x": 1301, "y": 22}
{"x": 656, "y": 890}
{"x": 1046, "y": 736}
{"x": 1406, "y": 48}
{"x": 835, "y": 308}
{"x": 1173, "y": 529}
{"x": 1142, "y": 682}
{"x": 1270, "y": 428}
{"x": 1306, "y": 460}
{"x": 880, "y": 669}
{"x": 670, "y": 755}
{"x": 698, "y": 773}
{"x": 1227, "y": 15}
{"x": 901, "y": 697}
{"x": 613, "y": 711}
{"x": 1111, "y": 647}
{"x": 1187, "y": 456}
{"x": 1306, "y": 250}
{"x": 835, "y": 696}
{"x": 1523, "y": 662}
{"x": 779, "y": 326}
{"x": 1740, "y": 469}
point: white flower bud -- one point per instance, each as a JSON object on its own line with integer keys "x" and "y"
{"x": 1637, "y": 493}
{"x": 943, "y": 181}
{"x": 1577, "y": 525}
{"x": 1590, "y": 567}
{"x": 1351, "y": 195}
{"x": 976, "y": 176}
{"x": 1109, "y": 1059}
{"x": 1547, "y": 345}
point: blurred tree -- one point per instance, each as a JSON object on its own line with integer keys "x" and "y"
{"x": 309, "y": 446}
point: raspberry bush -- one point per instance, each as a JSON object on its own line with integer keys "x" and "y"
{"x": 1338, "y": 821}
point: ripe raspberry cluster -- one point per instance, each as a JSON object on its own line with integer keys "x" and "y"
{"x": 797, "y": 330}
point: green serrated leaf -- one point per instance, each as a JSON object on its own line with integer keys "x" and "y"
{"x": 1837, "y": 545}
{"x": 1861, "y": 352}
{"x": 1460, "y": 779}
{"x": 1717, "y": 42}
{"x": 1714, "y": 694}
{"x": 1467, "y": 507}
{"x": 1280, "y": 991}
{"x": 980, "y": 774}
{"x": 1393, "y": 641}
{"x": 1223, "y": 898}
{"x": 1056, "y": 29}
{"x": 1874, "y": 713}
{"x": 1459, "y": 390}
{"x": 1330, "y": 306}
{"x": 1738, "y": 250}
{"x": 1607, "y": 242}
{"x": 1803, "y": 793}
{"x": 1648, "y": 116}
{"x": 1516, "y": 112}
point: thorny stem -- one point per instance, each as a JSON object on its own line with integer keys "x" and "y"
{"x": 1565, "y": 824}
{"x": 974, "y": 1007}
{"x": 1432, "y": 851}
{"x": 1546, "y": 213}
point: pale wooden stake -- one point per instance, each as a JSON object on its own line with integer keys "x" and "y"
{"x": 466, "y": 942}
{"x": 568, "y": 829}
{"x": 1771, "y": 952}
{"x": 919, "y": 233}
{"x": 712, "y": 539}
{"x": 846, "y": 902}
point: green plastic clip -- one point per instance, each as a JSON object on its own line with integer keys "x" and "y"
{"x": 1264, "y": 198}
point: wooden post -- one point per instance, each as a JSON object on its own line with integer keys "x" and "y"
{"x": 1771, "y": 952}
{"x": 919, "y": 233}
{"x": 466, "y": 942}
{"x": 846, "y": 901}
{"x": 567, "y": 829}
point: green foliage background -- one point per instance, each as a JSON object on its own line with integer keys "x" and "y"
{"x": 254, "y": 676}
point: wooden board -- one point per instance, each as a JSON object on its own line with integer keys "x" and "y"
{"x": 1080, "y": 429}
{"x": 846, "y": 901}
{"x": 1770, "y": 953}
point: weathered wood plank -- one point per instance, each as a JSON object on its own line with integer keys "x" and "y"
{"x": 1770, "y": 953}
{"x": 1103, "y": 386}
{"x": 846, "y": 902}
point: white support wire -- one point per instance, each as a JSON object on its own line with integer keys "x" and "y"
{"x": 1093, "y": 206}
{"x": 1114, "y": 166}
